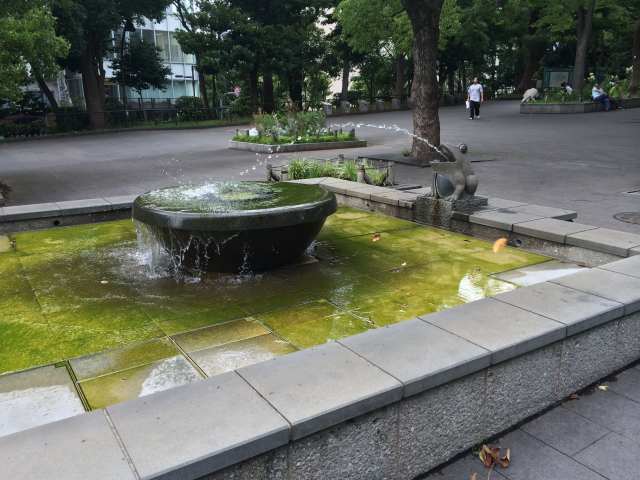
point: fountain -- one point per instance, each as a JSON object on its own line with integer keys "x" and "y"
{"x": 234, "y": 226}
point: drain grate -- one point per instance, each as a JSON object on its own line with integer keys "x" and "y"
{"x": 628, "y": 217}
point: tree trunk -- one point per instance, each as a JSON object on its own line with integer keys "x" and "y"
{"x": 400, "y": 80}
{"x": 295, "y": 88}
{"x": 425, "y": 19}
{"x": 530, "y": 67}
{"x": 202, "y": 88}
{"x": 634, "y": 86}
{"x": 253, "y": 90}
{"x": 93, "y": 92}
{"x": 44, "y": 88}
{"x": 346, "y": 71}
{"x": 584, "y": 26}
{"x": 268, "y": 104}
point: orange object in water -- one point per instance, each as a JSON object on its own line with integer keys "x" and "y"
{"x": 499, "y": 244}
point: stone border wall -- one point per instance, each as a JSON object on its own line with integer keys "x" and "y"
{"x": 393, "y": 402}
{"x": 295, "y": 147}
{"x": 567, "y": 108}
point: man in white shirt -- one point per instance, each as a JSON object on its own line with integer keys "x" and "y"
{"x": 475, "y": 96}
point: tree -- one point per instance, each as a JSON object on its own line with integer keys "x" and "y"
{"x": 634, "y": 85}
{"x": 425, "y": 22}
{"x": 140, "y": 67}
{"x": 377, "y": 28}
{"x": 29, "y": 46}
{"x": 88, "y": 26}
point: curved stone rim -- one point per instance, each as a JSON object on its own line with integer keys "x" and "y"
{"x": 256, "y": 219}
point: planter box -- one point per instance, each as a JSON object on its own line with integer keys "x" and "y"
{"x": 295, "y": 147}
{"x": 574, "y": 107}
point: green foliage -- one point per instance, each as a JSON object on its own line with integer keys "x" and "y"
{"x": 294, "y": 124}
{"x": 140, "y": 67}
{"x": 189, "y": 108}
{"x": 29, "y": 129}
{"x": 286, "y": 139}
{"x": 347, "y": 170}
{"x": 28, "y": 45}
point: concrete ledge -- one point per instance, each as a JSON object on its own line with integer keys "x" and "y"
{"x": 295, "y": 147}
{"x": 606, "y": 240}
{"x": 560, "y": 108}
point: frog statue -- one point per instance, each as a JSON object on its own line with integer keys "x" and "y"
{"x": 453, "y": 177}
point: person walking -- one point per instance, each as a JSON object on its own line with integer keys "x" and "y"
{"x": 475, "y": 96}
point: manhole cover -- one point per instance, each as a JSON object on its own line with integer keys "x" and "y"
{"x": 628, "y": 217}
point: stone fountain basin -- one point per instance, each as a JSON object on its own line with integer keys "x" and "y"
{"x": 253, "y": 233}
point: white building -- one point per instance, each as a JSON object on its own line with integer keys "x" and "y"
{"x": 183, "y": 80}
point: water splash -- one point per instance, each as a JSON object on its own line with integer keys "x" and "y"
{"x": 394, "y": 128}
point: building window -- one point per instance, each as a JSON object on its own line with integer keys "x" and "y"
{"x": 176, "y": 50}
{"x": 162, "y": 42}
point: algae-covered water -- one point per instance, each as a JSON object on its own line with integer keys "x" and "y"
{"x": 223, "y": 197}
{"x": 84, "y": 296}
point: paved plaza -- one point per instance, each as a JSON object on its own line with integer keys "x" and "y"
{"x": 578, "y": 162}
{"x": 594, "y": 437}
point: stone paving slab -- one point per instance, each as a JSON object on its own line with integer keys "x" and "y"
{"x": 605, "y": 240}
{"x": 538, "y": 273}
{"x": 78, "y": 207}
{"x": 577, "y": 310}
{"x": 505, "y": 330}
{"x": 551, "y": 229}
{"x": 610, "y": 410}
{"x": 613, "y": 286}
{"x": 317, "y": 388}
{"x": 565, "y": 430}
{"x": 503, "y": 219}
{"x": 139, "y": 381}
{"x": 463, "y": 468}
{"x": 627, "y": 266}
{"x": 76, "y": 449}
{"x": 615, "y": 457}
{"x": 537, "y": 460}
{"x": 27, "y": 212}
{"x": 627, "y": 384}
{"x": 418, "y": 354}
{"x": 546, "y": 212}
{"x": 121, "y": 201}
{"x": 35, "y": 397}
{"x": 195, "y": 430}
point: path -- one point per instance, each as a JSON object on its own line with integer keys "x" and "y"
{"x": 596, "y": 437}
{"x": 578, "y": 162}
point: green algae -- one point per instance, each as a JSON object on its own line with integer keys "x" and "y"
{"x": 234, "y": 355}
{"x": 313, "y": 323}
{"x": 76, "y": 291}
{"x": 138, "y": 381}
{"x": 219, "y": 335}
{"x": 226, "y": 197}
{"x": 133, "y": 355}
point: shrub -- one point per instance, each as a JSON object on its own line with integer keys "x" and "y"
{"x": 71, "y": 119}
{"x": 347, "y": 170}
{"x": 30, "y": 129}
{"x": 190, "y": 108}
{"x": 295, "y": 125}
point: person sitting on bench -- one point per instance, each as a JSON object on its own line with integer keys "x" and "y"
{"x": 600, "y": 96}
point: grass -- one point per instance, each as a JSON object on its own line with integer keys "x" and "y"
{"x": 347, "y": 170}
{"x": 285, "y": 139}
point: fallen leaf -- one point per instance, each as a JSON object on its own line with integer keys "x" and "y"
{"x": 604, "y": 388}
{"x": 375, "y": 237}
{"x": 489, "y": 455}
{"x": 499, "y": 244}
{"x": 403, "y": 264}
{"x": 573, "y": 396}
{"x": 505, "y": 460}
